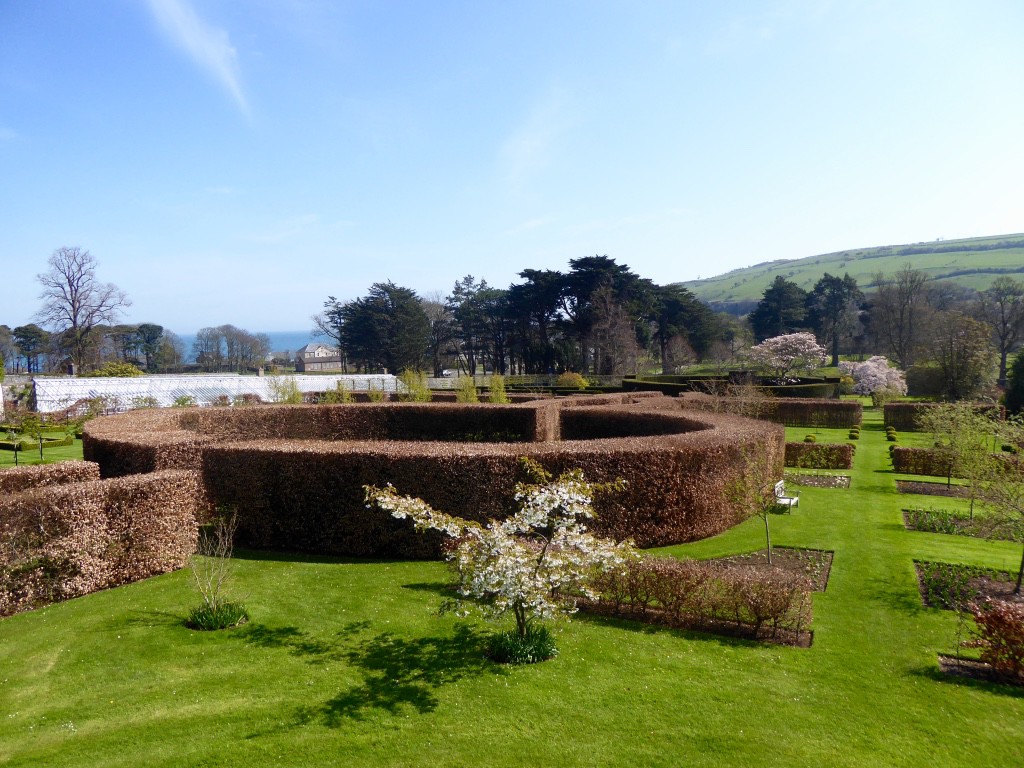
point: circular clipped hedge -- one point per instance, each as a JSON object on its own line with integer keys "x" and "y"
{"x": 296, "y": 473}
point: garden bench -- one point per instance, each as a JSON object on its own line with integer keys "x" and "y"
{"x": 784, "y": 500}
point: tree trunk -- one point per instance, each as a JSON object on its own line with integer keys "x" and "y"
{"x": 768, "y": 538}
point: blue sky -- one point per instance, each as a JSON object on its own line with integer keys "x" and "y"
{"x": 238, "y": 162}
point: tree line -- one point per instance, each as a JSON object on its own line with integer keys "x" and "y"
{"x": 596, "y": 318}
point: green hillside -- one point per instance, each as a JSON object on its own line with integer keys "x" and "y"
{"x": 973, "y": 262}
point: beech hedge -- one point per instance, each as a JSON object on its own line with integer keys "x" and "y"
{"x": 706, "y": 595}
{"x": 295, "y": 473}
{"x": 819, "y": 455}
{"x": 63, "y": 541}
{"x": 790, "y": 411}
{"x": 904, "y": 416}
{"x": 920, "y": 461}
{"x": 18, "y": 479}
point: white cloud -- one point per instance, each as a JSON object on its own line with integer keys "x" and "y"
{"x": 207, "y": 46}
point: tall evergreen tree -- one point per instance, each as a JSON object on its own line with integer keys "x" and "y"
{"x": 781, "y": 310}
{"x": 832, "y": 308}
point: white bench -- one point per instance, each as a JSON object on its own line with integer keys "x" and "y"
{"x": 782, "y": 499}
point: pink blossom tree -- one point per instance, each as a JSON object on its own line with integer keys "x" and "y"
{"x": 876, "y": 377}
{"x": 780, "y": 356}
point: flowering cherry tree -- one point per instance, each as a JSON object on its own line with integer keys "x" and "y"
{"x": 793, "y": 352}
{"x": 876, "y": 377}
{"x": 534, "y": 564}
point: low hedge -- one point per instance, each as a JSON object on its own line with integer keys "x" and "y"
{"x": 819, "y": 455}
{"x": 23, "y": 444}
{"x": 920, "y": 461}
{"x": 18, "y": 479}
{"x": 707, "y": 595}
{"x": 792, "y": 412}
{"x": 296, "y": 490}
{"x": 904, "y": 416}
{"x": 63, "y": 541}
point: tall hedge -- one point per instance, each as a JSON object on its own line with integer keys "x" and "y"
{"x": 904, "y": 416}
{"x": 63, "y": 541}
{"x": 920, "y": 461}
{"x": 790, "y": 411}
{"x": 297, "y": 489}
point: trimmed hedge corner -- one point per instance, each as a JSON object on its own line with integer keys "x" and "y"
{"x": 63, "y": 541}
{"x": 18, "y": 479}
{"x": 819, "y": 455}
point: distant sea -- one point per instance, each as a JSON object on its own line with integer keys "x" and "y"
{"x": 280, "y": 341}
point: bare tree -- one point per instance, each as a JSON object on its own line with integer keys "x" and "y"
{"x": 1001, "y": 305}
{"x": 74, "y": 302}
{"x": 901, "y": 313}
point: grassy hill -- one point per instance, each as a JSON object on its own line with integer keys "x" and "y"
{"x": 973, "y": 262}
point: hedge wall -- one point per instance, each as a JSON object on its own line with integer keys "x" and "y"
{"x": 819, "y": 455}
{"x": 919, "y": 461}
{"x": 904, "y": 416}
{"x": 305, "y": 492}
{"x": 793, "y": 412}
{"x": 62, "y": 541}
{"x": 18, "y": 479}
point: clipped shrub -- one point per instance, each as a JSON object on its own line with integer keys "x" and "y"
{"x": 854, "y": 435}
{"x": 114, "y": 369}
{"x": 811, "y": 439}
{"x": 1000, "y": 635}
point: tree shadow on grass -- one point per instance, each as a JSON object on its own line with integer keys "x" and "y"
{"x": 400, "y": 674}
{"x": 707, "y": 634}
{"x": 967, "y": 681}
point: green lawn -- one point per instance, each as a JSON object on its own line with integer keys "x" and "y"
{"x": 50, "y": 455}
{"x": 348, "y": 663}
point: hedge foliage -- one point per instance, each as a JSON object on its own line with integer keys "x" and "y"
{"x": 819, "y": 455}
{"x": 296, "y": 473}
{"x": 63, "y": 541}
{"x": 18, "y": 479}
{"x": 920, "y": 461}
{"x": 707, "y": 595}
{"x": 1000, "y": 635}
{"x": 791, "y": 411}
{"x": 904, "y": 416}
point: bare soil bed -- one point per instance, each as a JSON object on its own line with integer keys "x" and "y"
{"x": 932, "y": 489}
{"x": 814, "y": 564}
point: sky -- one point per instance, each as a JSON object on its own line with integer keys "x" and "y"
{"x": 239, "y": 162}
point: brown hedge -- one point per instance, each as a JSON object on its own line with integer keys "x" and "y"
{"x": 920, "y": 461}
{"x": 296, "y": 488}
{"x": 20, "y": 479}
{"x": 790, "y": 411}
{"x": 819, "y": 455}
{"x": 707, "y": 595}
{"x": 64, "y": 541}
{"x": 904, "y": 416}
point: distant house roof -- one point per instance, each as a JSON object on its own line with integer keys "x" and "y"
{"x": 316, "y": 349}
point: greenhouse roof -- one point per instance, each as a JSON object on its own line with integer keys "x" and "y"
{"x": 122, "y": 394}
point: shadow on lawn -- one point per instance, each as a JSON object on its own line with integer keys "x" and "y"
{"x": 967, "y": 681}
{"x": 400, "y": 674}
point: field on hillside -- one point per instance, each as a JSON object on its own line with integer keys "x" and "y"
{"x": 974, "y": 263}
{"x": 348, "y": 662}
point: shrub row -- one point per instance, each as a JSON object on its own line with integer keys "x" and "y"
{"x": 29, "y": 444}
{"x": 793, "y": 412}
{"x": 18, "y": 479}
{"x": 904, "y": 416}
{"x": 306, "y": 494}
{"x": 63, "y": 541}
{"x": 819, "y": 455}
{"x": 920, "y": 461}
{"x": 699, "y": 594}
{"x": 1000, "y": 635}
